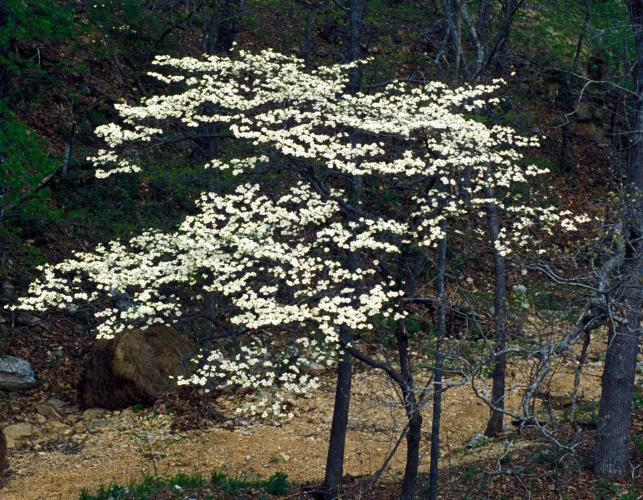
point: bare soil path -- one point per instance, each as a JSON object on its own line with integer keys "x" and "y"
{"x": 111, "y": 452}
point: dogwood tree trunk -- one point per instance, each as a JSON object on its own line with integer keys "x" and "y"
{"x": 494, "y": 425}
{"x": 440, "y": 334}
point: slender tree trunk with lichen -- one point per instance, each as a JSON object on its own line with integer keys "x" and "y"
{"x": 611, "y": 454}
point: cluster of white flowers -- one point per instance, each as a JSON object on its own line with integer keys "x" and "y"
{"x": 256, "y": 366}
{"x": 278, "y": 260}
{"x": 246, "y": 247}
{"x": 403, "y": 131}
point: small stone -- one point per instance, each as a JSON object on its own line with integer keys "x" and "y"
{"x": 59, "y": 428}
{"x": 285, "y": 456}
{"x": 79, "y": 438}
{"x": 92, "y": 413}
{"x": 59, "y": 404}
{"x": 48, "y": 411}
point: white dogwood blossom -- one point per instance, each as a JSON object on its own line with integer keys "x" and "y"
{"x": 277, "y": 258}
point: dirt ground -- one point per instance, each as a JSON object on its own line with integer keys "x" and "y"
{"x": 116, "y": 451}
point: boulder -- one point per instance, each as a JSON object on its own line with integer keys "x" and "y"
{"x": 136, "y": 367}
{"x": 19, "y": 433}
{"x": 15, "y": 374}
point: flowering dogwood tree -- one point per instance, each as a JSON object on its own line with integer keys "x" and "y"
{"x": 292, "y": 256}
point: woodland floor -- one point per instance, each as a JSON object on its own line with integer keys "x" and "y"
{"x": 111, "y": 453}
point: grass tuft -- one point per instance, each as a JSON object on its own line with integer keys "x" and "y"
{"x": 149, "y": 486}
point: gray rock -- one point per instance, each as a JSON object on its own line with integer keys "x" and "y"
{"x": 15, "y": 374}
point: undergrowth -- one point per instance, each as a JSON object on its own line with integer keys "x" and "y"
{"x": 151, "y": 486}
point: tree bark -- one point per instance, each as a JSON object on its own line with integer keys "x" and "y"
{"x": 475, "y": 41}
{"x": 222, "y": 28}
{"x": 452, "y": 20}
{"x": 500, "y": 49}
{"x": 485, "y": 11}
{"x": 611, "y": 454}
{"x": 568, "y": 101}
{"x": 494, "y": 425}
{"x": 437, "y": 369}
{"x": 413, "y": 414}
{"x": 337, "y": 441}
{"x": 220, "y": 32}
{"x": 355, "y": 16}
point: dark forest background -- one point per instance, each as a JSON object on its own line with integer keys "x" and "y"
{"x": 570, "y": 67}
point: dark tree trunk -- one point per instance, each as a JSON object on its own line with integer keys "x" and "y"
{"x": 307, "y": 42}
{"x": 408, "y": 265}
{"x": 207, "y": 326}
{"x": 566, "y": 135}
{"x": 453, "y": 24}
{"x": 220, "y": 31}
{"x": 494, "y": 425}
{"x": 413, "y": 437}
{"x": 222, "y": 27}
{"x": 3, "y": 452}
{"x": 412, "y": 409}
{"x": 568, "y": 101}
{"x": 485, "y": 11}
{"x": 355, "y": 15}
{"x": 437, "y": 369}
{"x": 582, "y": 359}
{"x": 337, "y": 441}
{"x": 500, "y": 50}
{"x": 611, "y": 454}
